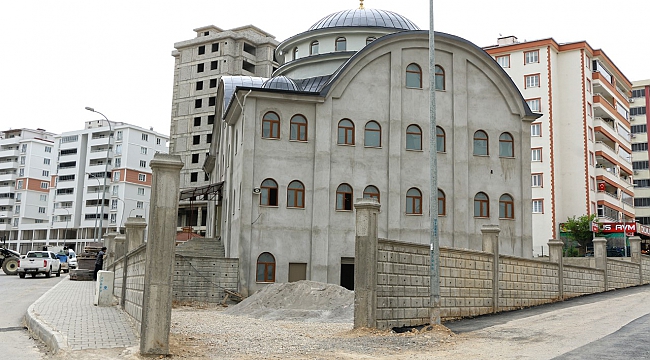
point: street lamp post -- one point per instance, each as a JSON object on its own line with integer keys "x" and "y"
{"x": 110, "y": 134}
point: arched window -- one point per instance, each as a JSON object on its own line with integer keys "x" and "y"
{"x": 370, "y": 39}
{"x": 440, "y": 78}
{"x": 480, "y": 143}
{"x": 265, "y": 268}
{"x": 372, "y": 135}
{"x": 414, "y": 76}
{"x": 371, "y": 192}
{"x": 296, "y": 194}
{"x": 414, "y": 202}
{"x": 481, "y": 205}
{"x": 346, "y": 132}
{"x": 344, "y": 197}
{"x": 506, "y": 207}
{"x": 506, "y": 145}
{"x": 341, "y": 44}
{"x": 294, "y": 56}
{"x": 442, "y": 203}
{"x": 269, "y": 193}
{"x": 313, "y": 48}
{"x": 298, "y": 128}
{"x": 441, "y": 143}
{"x": 271, "y": 126}
{"x": 413, "y": 138}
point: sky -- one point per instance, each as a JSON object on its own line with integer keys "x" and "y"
{"x": 115, "y": 56}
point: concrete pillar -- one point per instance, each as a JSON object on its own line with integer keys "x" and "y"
{"x": 491, "y": 245}
{"x": 365, "y": 263}
{"x": 635, "y": 254}
{"x": 199, "y": 218}
{"x": 134, "y": 233}
{"x": 555, "y": 256}
{"x": 600, "y": 255}
{"x": 120, "y": 246}
{"x": 157, "y": 298}
{"x": 109, "y": 242}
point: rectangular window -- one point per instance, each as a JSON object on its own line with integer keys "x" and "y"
{"x": 114, "y": 204}
{"x": 46, "y": 173}
{"x": 119, "y": 135}
{"x": 201, "y": 49}
{"x": 45, "y": 184}
{"x": 22, "y": 160}
{"x": 199, "y": 85}
{"x": 210, "y": 119}
{"x": 213, "y": 65}
{"x": 588, "y": 86}
{"x": 199, "y": 68}
{"x": 139, "y": 204}
{"x": 143, "y": 150}
{"x": 116, "y": 176}
{"x": 46, "y": 161}
{"x": 113, "y": 219}
{"x": 537, "y": 180}
{"x": 198, "y": 103}
{"x": 197, "y": 121}
{"x": 43, "y": 197}
{"x": 19, "y": 184}
{"x": 21, "y": 172}
{"x": 118, "y": 149}
{"x": 536, "y": 154}
{"x": 116, "y": 190}
{"x": 531, "y": 57}
{"x": 639, "y": 129}
{"x": 590, "y": 134}
{"x": 532, "y": 81}
{"x": 538, "y": 206}
{"x": 592, "y": 183}
{"x": 208, "y": 138}
{"x": 141, "y": 191}
{"x": 591, "y": 158}
{"x": 142, "y": 177}
{"x": 143, "y": 164}
{"x": 589, "y": 109}
{"x": 157, "y": 141}
{"x": 534, "y": 104}
{"x": 215, "y": 47}
{"x": 213, "y": 83}
{"x": 194, "y": 177}
{"x": 23, "y": 149}
{"x": 41, "y": 210}
{"x": 212, "y": 100}
{"x": 195, "y": 158}
{"x": 639, "y": 110}
{"x": 118, "y": 162}
{"x": 17, "y": 209}
{"x": 145, "y": 137}
{"x": 504, "y": 61}
{"x": 196, "y": 139}
{"x": 638, "y": 93}
{"x": 48, "y": 149}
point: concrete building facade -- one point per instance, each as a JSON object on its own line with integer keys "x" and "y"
{"x": 295, "y": 150}
{"x": 198, "y": 65}
{"x": 639, "y": 102}
{"x": 580, "y": 148}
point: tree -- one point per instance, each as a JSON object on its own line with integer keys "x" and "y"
{"x": 579, "y": 230}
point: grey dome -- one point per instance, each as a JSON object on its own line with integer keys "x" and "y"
{"x": 280, "y": 83}
{"x": 365, "y": 18}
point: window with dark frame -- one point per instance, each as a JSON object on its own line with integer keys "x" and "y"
{"x": 271, "y": 126}
{"x": 371, "y": 192}
{"x": 340, "y": 44}
{"x": 440, "y": 78}
{"x": 414, "y": 76}
{"x": 481, "y": 205}
{"x": 298, "y": 126}
{"x": 372, "y": 135}
{"x": 344, "y": 197}
{"x": 208, "y": 138}
{"x": 296, "y": 195}
{"x": 269, "y": 193}
{"x": 201, "y": 49}
{"x": 196, "y": 139}
{"x": 210, "y": 119}
{"x": 480, "y": 143}
{"x": 194, "y": 177}
{"x": 212, "y": 101}
{"x": 199, "y": 68}
{"x": 414, "y": 202}
{"x": 195, "y": 158}
{"x": 215, "y": 47}
{"x": 506, "y": 207}
{"x": 506, "y": 145}
{"x": 199, "y": 85}
{"x": 413, "y": 138}
{"x": 441, "y": 141}
{"x": 442, "y": 203}
{"x": 213, "y": 65}
{"x": 213, "y": 83}
{"x": 265, "y": 268}
{"x": 197, "y": 121}
{"x": 313, "y": 48}
{"x": 198, "y": 103}
{"x": 346, "y": 132}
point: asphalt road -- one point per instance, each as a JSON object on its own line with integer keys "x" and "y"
{"x": 16, "y": 295}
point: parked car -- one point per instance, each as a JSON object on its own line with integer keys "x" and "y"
{"x": 39, "y": 262}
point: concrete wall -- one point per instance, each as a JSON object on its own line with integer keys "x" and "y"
{"x": 621, "y": 274}
{"x": 204, "y": 278}
{"x": 134, "y": 292}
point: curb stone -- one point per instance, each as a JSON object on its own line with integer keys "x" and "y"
{"x": 41, "y": 329}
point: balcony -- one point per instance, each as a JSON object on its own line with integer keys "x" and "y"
{"x": 6, "y": 214}
{"x": 9, "y": 153}
{"x": 605, "y": 109}
{"x": 8, "y": 177}
{"x": 98, "y": 154}
{"x": 7, "y": 189}
{"x": 4, "y": 165}
{"x": 5, "y": 227}
{"x": 7, "y": 202}
{"x": 95, "y": 168}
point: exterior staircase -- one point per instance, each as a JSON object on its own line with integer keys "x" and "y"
{"x": 204, "y": 247}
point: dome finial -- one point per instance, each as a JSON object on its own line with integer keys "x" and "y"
{"x": 360, "y": 4}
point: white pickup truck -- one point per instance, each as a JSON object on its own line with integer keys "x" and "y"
{"x": 39, "y": 262}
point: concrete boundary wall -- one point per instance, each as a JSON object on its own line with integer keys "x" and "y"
{"x": 203, "y": 279}
{"x": 470, "y": 283}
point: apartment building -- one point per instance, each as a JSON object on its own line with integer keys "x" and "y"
{"x": 52, "y": 187}
{"x": 27, "y": 162}
{"x": 199, "y": 63}
{"x": 581, "y": 147}
{"x": 638, "y": 118}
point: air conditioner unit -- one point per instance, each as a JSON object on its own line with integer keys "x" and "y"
{"x": 257, "y": 190}
{"x": 633, "y": 136}
{"x": 631, "y": 100}
{"x": 636, "y": 172}
{"x": 631, "y": 118}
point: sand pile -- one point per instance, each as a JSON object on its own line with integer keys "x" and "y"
{"x": 303, "y": 300}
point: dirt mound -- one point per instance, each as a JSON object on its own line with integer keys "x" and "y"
{"x": 303, "y": 300}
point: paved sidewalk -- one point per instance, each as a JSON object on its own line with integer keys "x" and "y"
{"x": 66, "y": 319}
